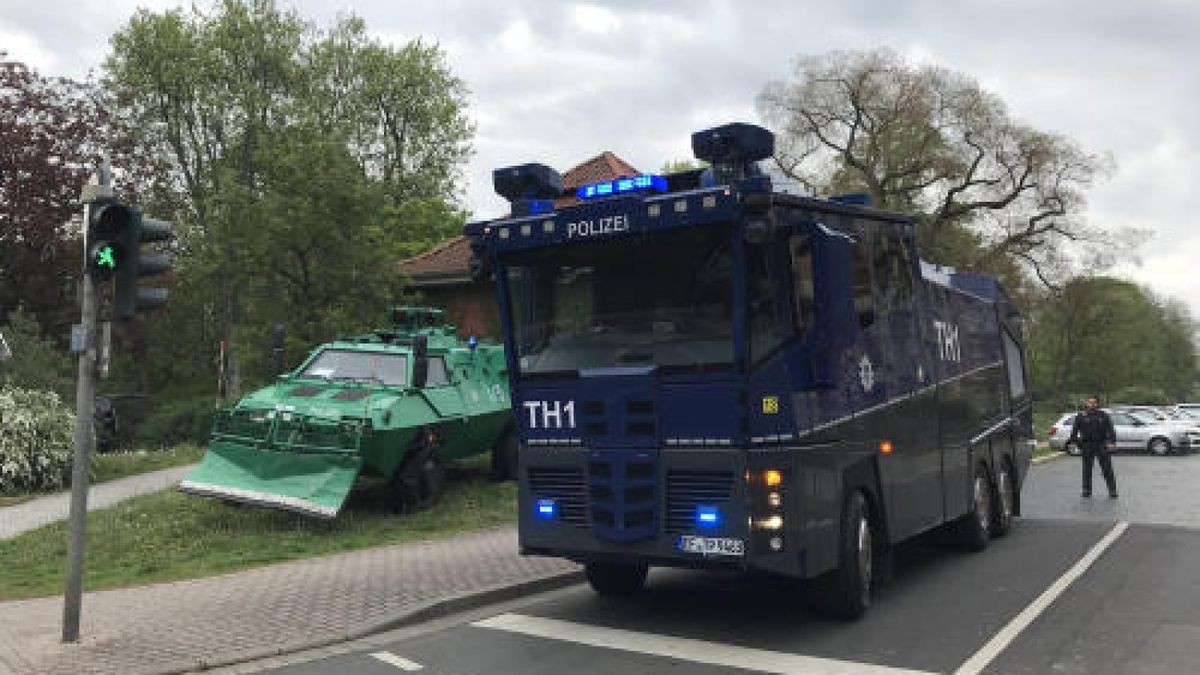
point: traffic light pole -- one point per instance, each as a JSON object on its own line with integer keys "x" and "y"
{"x": 85, "y": 401}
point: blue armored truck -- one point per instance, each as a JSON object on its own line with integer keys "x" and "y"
{"x": 710, "y": 373}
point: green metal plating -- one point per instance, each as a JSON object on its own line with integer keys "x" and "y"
{"x": 354, "y": 406}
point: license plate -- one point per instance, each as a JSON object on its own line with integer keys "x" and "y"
{"x": 712, "y": 545}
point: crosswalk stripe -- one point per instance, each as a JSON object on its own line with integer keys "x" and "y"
{"x": 398, "y": 661}
{"x": 683, "y": 649}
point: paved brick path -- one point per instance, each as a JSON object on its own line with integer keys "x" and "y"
{"x": 35, "y": 513}
{"x": 188, "y": 625}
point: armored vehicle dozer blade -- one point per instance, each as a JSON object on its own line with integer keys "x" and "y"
{"x": 314, "y": 484}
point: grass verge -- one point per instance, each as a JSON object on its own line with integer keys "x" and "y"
{"x": 121, "y": 464}
{"x": 168, "y": 535}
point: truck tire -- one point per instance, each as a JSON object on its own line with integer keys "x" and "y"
{"x": 504, "y": 456}
{"x": 418, "y": 482}
{"x": 1004, "y": 500}
{"x": 615, "y": 579}
{"x": 974, "y": 529}
{"x": 845, "y": 592}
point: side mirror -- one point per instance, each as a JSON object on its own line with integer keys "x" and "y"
{"x": 420, "y": 351}
{"x": 833, "y": 295}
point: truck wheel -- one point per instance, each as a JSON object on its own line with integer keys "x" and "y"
{"x": 418, "y": 482}
{"x": 504, "y": 456}
{"x": 974, "y": 528}
{"x": 845, "y": 593}
{"x": 1160, "y": 446}
{"x": 615, "y": 579}
{"x": 1004, "y": 500}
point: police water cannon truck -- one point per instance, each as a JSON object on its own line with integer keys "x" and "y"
{"x": 710, "y": 373}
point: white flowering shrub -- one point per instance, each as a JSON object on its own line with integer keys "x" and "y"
{"x": 36, "y": 439}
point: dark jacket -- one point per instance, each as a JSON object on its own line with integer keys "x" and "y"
{"x": 1092, "y": 429}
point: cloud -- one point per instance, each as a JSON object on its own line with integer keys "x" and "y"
{"x": 558, "y": 82}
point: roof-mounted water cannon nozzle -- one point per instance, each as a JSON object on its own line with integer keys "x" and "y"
{"x": 733, "y": 149}
{"x": 529, "y": 188}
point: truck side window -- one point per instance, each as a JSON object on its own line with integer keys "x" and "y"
{"x": 767, "y": 296}
{"x": 803, "y": 290}
{"x": 893, "y": 272}
{"x": 437, "y": 377}
{"x": 1016, "y": 365}
{"x": 864, "y": 303}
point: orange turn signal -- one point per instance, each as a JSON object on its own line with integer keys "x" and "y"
{"x": 773, "y": 477}
{"x": 886, "y": 447}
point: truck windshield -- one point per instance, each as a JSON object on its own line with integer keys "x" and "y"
{"x": 344, "y": 365}
{"x": 661, "y": 300}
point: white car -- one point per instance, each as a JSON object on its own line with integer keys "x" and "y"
{"x": 1134, "y": 434}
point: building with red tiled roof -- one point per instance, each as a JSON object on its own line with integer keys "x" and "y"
{"x": 440, "y": 274}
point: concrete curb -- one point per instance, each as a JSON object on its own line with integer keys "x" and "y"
{"x": 1049, "y": 458}
{"x": 419, "y": 613}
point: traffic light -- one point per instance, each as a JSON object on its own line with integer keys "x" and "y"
{"x": 108, "y": 223}
{"x": 131, "y": 298}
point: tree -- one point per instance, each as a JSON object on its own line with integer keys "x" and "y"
{"x": 294, "y": 149}
{"x": 1103, "y": 335}
{"x": 52, "y": 133}
{"x": 932, "y": 142}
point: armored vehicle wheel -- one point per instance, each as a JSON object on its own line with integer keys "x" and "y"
{"x": 418, "y": 482}
{"x": 615, "y": 579}
{"x": 845, "y": 592}
{"x": 974, "y": 529}
{"x": 1004, "y": 501}
{"x": 504, "y": 456}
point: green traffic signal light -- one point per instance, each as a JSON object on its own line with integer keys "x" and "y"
{"x": 106, "y": 258}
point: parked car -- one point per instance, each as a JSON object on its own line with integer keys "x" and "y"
{"x": 1135, "y": 433}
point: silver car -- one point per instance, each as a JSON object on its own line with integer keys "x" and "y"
{"x": 1134, "y": 434}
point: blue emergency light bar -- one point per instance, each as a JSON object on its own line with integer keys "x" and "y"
{"x": 611, "y": 188}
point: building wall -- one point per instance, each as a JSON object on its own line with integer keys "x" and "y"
{"x": 470, "y": 307}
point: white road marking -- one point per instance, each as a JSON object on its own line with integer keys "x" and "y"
{"x": 398, "y": 661}
{"x": 684, "y": 649}
{"x": 1020, "y": 622}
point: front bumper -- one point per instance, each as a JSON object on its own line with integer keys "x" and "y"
{"x": 636, "y": 505}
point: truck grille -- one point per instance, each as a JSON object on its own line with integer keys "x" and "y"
{"x": 566, "y": 487}
{"x": 688, "y": 489}
{"x": 624, "y": 490}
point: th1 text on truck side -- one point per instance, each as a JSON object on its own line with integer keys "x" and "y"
{"x": 710, "y": 373}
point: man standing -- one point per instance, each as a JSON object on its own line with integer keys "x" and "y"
{"x": 1094, "y": 435}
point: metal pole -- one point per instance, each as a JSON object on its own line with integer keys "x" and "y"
{"x": 85, "y": 402}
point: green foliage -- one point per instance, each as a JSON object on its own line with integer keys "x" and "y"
{"x": 1140, "y": 394}
{"x": 1110, "y": 337}
{"x": 36, "y": 363}
{"x": 679, "y": 166}
{"x": 306, "y": 160}
{"x": 187, "y": 420}
{"x": 35, "y": 440}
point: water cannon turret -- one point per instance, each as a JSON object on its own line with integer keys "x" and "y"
{"x": 733, "y": 150}
{"x": 530, "y": 188}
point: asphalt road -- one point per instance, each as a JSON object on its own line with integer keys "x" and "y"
{"x": 1070, "y": 590}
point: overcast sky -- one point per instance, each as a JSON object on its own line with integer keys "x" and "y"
{"x": 558, "y": 82}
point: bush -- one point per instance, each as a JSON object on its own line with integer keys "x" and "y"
{"x": 186, "y": 420}
{"x": 36, "y": 440}
{"x": 1137, "y": 394}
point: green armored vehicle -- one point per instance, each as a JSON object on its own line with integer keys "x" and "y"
{"x": 396, "y": 403}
